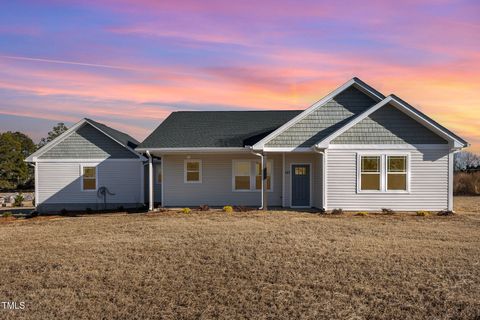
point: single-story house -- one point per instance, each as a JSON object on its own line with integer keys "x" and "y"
{"x": 354, "y": 149}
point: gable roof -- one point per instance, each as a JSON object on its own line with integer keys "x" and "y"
{"x": 356, "y": 82}
{"x": 405, "y": 107}
{"x": 215, "y": 129}
{"x": 119, "y": 137}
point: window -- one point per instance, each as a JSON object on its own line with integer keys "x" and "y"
{"x": 396, "y": 173}
{"x": 383, "y": 173}
{"x": 193, "y": 171}
{"x": 370, "y": 173}
{"x": 247, "y": 175}
{"x": 258, "y": 175}
{"x": 158, "y": 173}
{"x": 89, "y": 178}
{"x": 242, "y": 170}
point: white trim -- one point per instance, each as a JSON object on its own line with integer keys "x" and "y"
{"x": 89, "y": 165}
{"x": 37, "y": 200}
{"x": 383, "y": 172}
{"x": 283, "y": 179}
{"x": 162, "y": 189}
{"x": 199, "y": 170}
{"x": 324, "y": 143}
{"x": 85, "y": 160}
{"x": 192, "y": 150}
{"x": 325, "y": 184}
{"x": 261, "y": 144}
{"x": 291, "y": 183}
{"x": 387, "y": 146}
{"x": 253, "y": 176}
{"x": 297, "y": 149}
{"x": 451, "y": 161}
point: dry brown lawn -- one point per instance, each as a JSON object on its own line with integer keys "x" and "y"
{"x": 277, "y": 265}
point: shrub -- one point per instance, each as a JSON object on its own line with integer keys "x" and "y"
{"x": 445, "y": 213}
{"x": 387, "y": 211}
{"x": 422, "y": 213}
{"x": 186, "y": 210}
{"x": 7, "y": 214}
{"x": 228, "y": 209}
{"x": 337, "y": 211}
{"x": 241, "y": 209}
{"x": 362, "y": 214}
{"x": 18, "y": 200}
{"x": 466, "y": 183}
{"x": 204, "y": 207}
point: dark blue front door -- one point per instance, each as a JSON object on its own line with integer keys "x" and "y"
{"x": 300, "y": 185}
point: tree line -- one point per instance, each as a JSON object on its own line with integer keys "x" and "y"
{"x": 15, "y": 173}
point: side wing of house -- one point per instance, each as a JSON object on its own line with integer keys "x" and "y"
{"x": 72, "y": 171}
{"x": 389, "y": 160}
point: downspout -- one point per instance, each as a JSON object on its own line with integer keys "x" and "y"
{"x": 150, "y": 181}
{"x": 324, "y": 184}
{"x": 261, "y": 161}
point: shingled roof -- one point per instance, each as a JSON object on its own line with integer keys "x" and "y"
{"x": 123, "y": 138}
{"x": 216, "y": 129}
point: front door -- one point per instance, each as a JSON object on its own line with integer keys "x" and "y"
{"x": 300, "y": 185}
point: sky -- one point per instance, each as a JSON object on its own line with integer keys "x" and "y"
{"x": 129, "y": 64}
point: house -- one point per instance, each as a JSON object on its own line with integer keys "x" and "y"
{"x": 89, "y": 166}
{"x": 354, "y": 149}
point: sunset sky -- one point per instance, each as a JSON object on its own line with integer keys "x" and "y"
{"x": 130, "y": 63}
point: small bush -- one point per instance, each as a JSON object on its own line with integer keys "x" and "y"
{"x": 64, "y": 212}
{"x": 337, "y": 211}
{"x": 18, "y": 200}
{"x": 445, "y": 213}
{"x": 204, "y": 207}
{"x": 241, "y": 209}
{"x": 7, "y": 214}
{"x": 228, "y": 209}
{"x": 362, "y": 214}
{"x": 387, "y": 211}
{"x": 186, "y": 210}
{"x": 422, "y": 213}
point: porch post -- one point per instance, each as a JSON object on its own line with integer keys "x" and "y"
{"x": 264, "y": 184}
{"x": 150, "y": 181}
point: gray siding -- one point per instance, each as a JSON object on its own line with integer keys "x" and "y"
{"x": 388, "y": 125}
{"x": 428, "y": 181}
{"x": 59, "y": 184}
{"x": 216, "y": 186}
{"x": 324, "y": 120}
{"x": 88, "y": 143}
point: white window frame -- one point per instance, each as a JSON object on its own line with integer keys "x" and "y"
{"x": 383, "y": 171}
{"x": 253, "y": 175}
{"x": 407, "y": 172}
{"x": 200, "y": 170}
{"x": 88, "y": 165}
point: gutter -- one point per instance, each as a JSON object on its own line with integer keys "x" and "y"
{"x": 261, "y": 159}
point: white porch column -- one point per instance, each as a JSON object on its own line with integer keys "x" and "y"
{"x": 150, "y": 181}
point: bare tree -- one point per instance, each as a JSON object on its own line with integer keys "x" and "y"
{"x": 465, "y": 160}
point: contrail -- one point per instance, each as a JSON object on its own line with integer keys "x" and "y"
{"x": 67, "y": 62}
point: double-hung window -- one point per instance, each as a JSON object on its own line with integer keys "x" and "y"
{"x": 193, "y": 171}
{"x": 89, "y": 178}
{"x": 247, "y": 175}
{"x": 383, "y": 173}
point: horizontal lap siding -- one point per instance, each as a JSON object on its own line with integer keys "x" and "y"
{"x": 216, "y": 186}
{"x": 61, "y": 182}
{"x": 428, "y": 182}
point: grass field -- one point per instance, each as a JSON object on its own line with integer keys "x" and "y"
{"x": 277, "y": 265}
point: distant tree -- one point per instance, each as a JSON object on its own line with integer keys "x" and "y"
{"x": 465, "y": 160}
{"x": 14, "y": 148}
{"x": 56, "y": 131}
